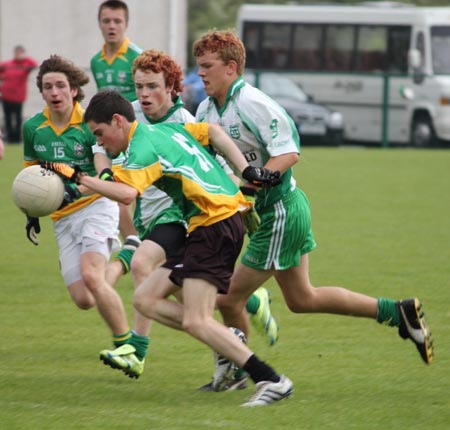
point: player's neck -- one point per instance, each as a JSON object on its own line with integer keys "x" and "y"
{"x": 61, "y": 119}
{"x": 112, "y": 48}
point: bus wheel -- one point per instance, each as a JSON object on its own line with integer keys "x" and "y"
{"x": 422, "y": 132}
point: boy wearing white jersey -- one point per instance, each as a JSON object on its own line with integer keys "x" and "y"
{"x": 266, "y": 135}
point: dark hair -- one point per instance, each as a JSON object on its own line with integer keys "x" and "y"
{"x": 76, "y": 76}
{"x": 113, "y": 4}
{"x": 105, "y": 104}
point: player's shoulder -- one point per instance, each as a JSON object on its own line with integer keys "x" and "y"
{"x": 35, "y": 121}
{"x": 182, "y": 115}
{"x": 203, "y": 108}
{"x": 134, "y": 49}
{"x": 249, "y": 94}
{"x": 252, "y": 100}
{"x": 96, "y": 57}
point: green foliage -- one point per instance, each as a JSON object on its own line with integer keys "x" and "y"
{"x": 381, "y": 221}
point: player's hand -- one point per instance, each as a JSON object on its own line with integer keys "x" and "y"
{"x": 251, "y": 221}
{"x": 262, "y": 177}
{"x": 64, "y": 170}
{"x": 251, "y": 217}
{"x": 71, "y": 193}
{"x": 106, "y": 175}
{"x": 33, "y": 228}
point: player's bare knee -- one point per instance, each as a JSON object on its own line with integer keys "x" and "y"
{"x": 143, "y": 302}
{"x": 136, "y": 264}
{"x": 85, "y": 303}
{"x": 229, "y": 307}
{"x": 193, "y": 326}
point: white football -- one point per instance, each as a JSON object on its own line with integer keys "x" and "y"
{"x": 37, "y": 192}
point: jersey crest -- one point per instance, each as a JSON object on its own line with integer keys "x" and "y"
{"x": 234, "y": 131}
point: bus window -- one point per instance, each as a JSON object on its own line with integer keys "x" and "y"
{"x": 398, "y": 46}
{"x": 339, "y": 42}
{"x": 371, "y": 50}
{"x": 307, "y": 47}
{"x": 275, "y": 45}
{"x": 440, "y": 47}
{"x": 252, "y": 49}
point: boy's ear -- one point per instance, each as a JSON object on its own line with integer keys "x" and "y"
{"x": 118, "y": 119}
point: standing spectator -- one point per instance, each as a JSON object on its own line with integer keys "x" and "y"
{"x": 111, "y": 68}
{"x": 14, "y": 76}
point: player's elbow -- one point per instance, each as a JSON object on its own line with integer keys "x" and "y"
{"x": 128, "y": 196}
{"x": 126, "y": 200}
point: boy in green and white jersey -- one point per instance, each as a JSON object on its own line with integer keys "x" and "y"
{"x": 160, "y": 222}
{"x": 170, "y": 156}
{"x": 280, "y": 247}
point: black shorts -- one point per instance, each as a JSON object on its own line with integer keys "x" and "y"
{"x": 172, "y": 238}
{"x": 211, "y": 253}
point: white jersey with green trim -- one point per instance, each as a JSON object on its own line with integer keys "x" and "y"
{"x": 259, "y": 126}
{"x": 153, "y": 200}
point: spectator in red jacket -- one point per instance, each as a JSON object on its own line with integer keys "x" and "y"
{"x": 13, "y": 88}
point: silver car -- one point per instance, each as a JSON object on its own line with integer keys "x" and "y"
{"x": 315, "y": 123}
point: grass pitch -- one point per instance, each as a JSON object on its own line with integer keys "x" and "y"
{"x": 382, "y": 222}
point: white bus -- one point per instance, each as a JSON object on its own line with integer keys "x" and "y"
{"x": 384, "y": 66}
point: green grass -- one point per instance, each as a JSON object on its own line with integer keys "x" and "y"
{"x": 382, "y": 222}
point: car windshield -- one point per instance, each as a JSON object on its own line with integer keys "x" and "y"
{"x": 277, "y": 86}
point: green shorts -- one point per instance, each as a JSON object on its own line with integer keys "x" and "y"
{"x": 283, "y": 236}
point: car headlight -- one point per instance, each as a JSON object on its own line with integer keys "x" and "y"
{"x": 335, "y": 120}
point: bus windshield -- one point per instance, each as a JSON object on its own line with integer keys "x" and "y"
{"x": 440, "y": 49}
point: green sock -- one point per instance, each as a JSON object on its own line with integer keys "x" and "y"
{"x": 252, "y": 304}
{"x": 125, "y": 256}
{"x": 140, "y": 343}
{"x": 388, "y": 312}
{"x": 121, "y": 339}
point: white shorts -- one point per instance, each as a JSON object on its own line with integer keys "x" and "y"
{"x": 93, "y": 228}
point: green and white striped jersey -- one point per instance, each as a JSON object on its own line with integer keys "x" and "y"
{"x": 261, "y": 129}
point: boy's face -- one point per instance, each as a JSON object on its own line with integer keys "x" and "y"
{"x": 112, "y": 136}
{"x": 113, "y": 25}
{"x": 57, "y": 93}
{"x": 154, "y": 97}
{"x": 215, "y": 74}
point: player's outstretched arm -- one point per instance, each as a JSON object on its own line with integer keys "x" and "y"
{"x": 117, "y": 191}
{"x": 258, "y": 176}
